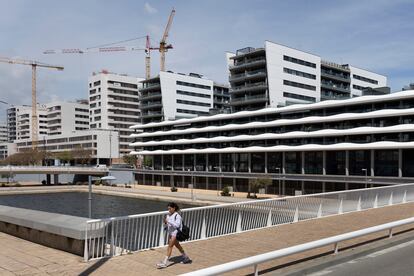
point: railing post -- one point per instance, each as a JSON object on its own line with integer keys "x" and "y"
{"x": 269, "y": 218}
{"x": 390, "y": 200}
{"x": 238, "y": 226}
{"x": 340, "y": 207}
{"x": 336, "y": 248}
{"x": 112, "y": 249}
{"x": 404, "y": 200}
{"x": 203, "y": 228}
{"x": 296, "y": 216}
{"x": 359, "y": 204}
{"x": 162, "y": 241}
{"x": 390, "y": 233}
{"x": 319, "y": 215}
{"x": 86, "y": 251}
{"x": 376, "y": 201}
{"x": 256, "y": 270}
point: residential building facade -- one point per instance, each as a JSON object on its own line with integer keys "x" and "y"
{"x": 114, "y": 105}
{"x": 67, "y": 117}
{"x": 7, "y": 149}
{"x": 19, "y": 122}
{"x": 324, "y": 146}
{"x": 277, "y": 75}
{"x": 4, "y": 133}
{"x": 172, "y": 96}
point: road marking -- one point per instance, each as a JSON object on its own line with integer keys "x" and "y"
{"x": 320, "y": 273}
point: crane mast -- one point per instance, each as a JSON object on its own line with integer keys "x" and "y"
{"x": 34, "y": 65}
{"x": 163, "y": 43}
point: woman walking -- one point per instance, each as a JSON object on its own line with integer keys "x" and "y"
{"x": 173, "y": 224}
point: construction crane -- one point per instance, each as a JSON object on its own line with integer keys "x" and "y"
{"x": 34, "y": 65}
{"x": 163, "y": 43}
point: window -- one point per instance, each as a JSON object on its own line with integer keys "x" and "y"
{"x": 361, "y": 78}
{"x": 181, "y": 92}
{"x": 299, "y": 97}
{"x": 96, "y": 83}
{"x": 186, "y": 111}
{"x": 299, "y": 85}
{"x": 193, "y": 103}
{"x": 358, "y": 87}
{"x": 299, "y": 61}
{"x": 193, "y": 85}
{"x": 299, "y": 73}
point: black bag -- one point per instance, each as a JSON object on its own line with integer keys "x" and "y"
{"x": 184, "y": 233}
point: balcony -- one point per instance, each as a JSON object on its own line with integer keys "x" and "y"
{"x": 150, "y": 96}
{"x": 333, "y": 96}
{"x": 151, "y": 114}
{"x": 336, "y": 77}
{"x": 249, "y": 87}
{"x": 336, "y": 87}
{"x": 248, "y": 75}
{"x": 248, "y": 100}
{"x": 248, "y": 63}
{"x": 151, "y": 87}
{"x": 149, "y": 105}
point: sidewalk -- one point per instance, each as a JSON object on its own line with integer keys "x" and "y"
{"x": 19, "y": 257}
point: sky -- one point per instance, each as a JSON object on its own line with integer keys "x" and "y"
{"x": 373, "y": 35}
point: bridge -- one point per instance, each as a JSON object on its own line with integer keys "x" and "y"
{"x": 53, "y": 170}
{"x": 96, "y": 171}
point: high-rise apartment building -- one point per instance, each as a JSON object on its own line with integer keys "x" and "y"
{"x": 67, "y": 117}
{"x": 3, "y": 132}
{"x": 114, "y": 105}
{"x": 19, "y": 122}
{"x": 171, "y": 96}
{"x": 277, "y": 75}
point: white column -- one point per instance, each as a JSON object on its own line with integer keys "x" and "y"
{"x": 347, "y": 162}
{"x": 372, "y": 162}
{"x": 324, "y": 162}
{"x": 302, "y": 157}
{"x": 400, "y": 163}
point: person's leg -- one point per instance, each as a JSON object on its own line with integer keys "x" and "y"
{"x": 184, "y": 255}
{"x": 171, "y": 242}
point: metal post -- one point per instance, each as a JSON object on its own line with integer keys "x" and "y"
{"x": 90, "y": 195}
{"x": 366, "y": 177}
{"x": 280, "y": 187}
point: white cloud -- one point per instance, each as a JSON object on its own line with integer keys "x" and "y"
{"x": 149, "y": 9}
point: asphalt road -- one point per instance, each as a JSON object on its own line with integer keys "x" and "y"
{"x": 396, "y": 260}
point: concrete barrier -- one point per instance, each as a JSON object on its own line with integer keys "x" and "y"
{"x": 58, "y": 231}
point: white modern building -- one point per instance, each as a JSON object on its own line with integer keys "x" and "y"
{"x": 102, "y": 144}
{"x": 277, "y": 75}
{"x": 4, "y": 132}
{"x": 114, "y": 104}
{"x": 19, "y": 122}
{"x": 325, "y": 146}
{"x": 67, "y": 117}
{"x": 171, "y": 96}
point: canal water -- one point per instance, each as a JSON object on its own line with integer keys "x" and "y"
{"x": 76, "y": 204}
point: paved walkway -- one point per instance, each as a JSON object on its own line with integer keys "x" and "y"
{"x": 20, "y": 257}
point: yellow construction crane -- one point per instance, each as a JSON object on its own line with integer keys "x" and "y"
{"x": 163, "y": 43}
{"x": 34, "y": 65}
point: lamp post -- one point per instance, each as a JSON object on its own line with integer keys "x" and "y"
{"x": 366, "y": 177}
{"x": 279, "y": 171}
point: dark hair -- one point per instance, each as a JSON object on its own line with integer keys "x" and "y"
{"x": 174, "y": 205}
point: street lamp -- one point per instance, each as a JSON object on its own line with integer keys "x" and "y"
{"x": 366, "y": 177}
{"x": 279, "y": 171}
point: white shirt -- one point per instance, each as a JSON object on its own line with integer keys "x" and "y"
{"x": 173, "y": 223}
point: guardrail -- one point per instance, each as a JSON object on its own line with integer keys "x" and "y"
{"x": 335, "y": 240}
{"x": 119, "y": 235}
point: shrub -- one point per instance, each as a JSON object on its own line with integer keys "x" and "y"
{"x": 225, "y": 191}
{"x": 17, "y": 184}
{"x": 174, "y": 189}
{"x": 43, "y": 182}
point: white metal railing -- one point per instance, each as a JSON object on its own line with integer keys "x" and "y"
{"x": 119, "y": 235}
{"x": 269, "y": 256}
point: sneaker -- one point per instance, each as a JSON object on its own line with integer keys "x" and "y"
{"x": 162, "y": 264}
{"x": 185, "y": 260}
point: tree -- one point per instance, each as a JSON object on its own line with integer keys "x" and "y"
{"x": 82, "y": 155}
{"x": 259, "y": 183}
{"x": 147, "y": 161}
{"x": 64, "y": 156}
{"x": 130, "y": 159}
{"x": 24, "y": 158}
